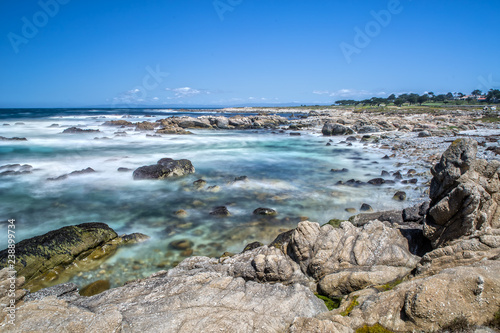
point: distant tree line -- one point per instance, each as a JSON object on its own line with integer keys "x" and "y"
{"x": 493, "y": 96}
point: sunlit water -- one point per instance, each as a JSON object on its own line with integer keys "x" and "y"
{"x": 290, "y": 174}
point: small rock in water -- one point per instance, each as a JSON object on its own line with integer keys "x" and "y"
{"x": 241, "y": 179}
{"x": 164, "y": 168}
{"x": 397, "y": 175}
{"x": 2, "y": 138}
{"x": 294, "y": 134}
{"x": 351, "y": 138}
{"x": 187, "y": 252}
{"x": 385, "y": 173}
{"x": 181, "y": 213}
{"x": 411, "y": 172}
{"x": 264, "y": 211}
{"x": 340, "y": 170}
{"x": 181, "y": 244}
{"x": 214, "y": 188}
{"x": 377, "y": 181}
{"x": 386, "y": 157}
{"x": 123, "y": 169}
{"x": 220, "y": 211}
{"x": 351, "y": 210}
{"x": 200, "y": 183}
{"x": 134, "y": 238}
{"x": 366, "y": 208}
{"x": 74, "y": 173}
{"x": 74, "y": 130}
{"x": 400, "y": 196}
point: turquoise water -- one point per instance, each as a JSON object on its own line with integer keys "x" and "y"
{"x": 287, "y": 173}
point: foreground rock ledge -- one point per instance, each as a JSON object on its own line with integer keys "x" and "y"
{"x": 174, "y": 301}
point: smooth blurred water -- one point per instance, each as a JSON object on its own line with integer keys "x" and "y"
{"x": 290, "y": 174}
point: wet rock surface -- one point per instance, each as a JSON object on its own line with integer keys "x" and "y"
{"x": 74, "y": 173}
{"x": 15, "y": 169}
{"x": 165, "y": 168}
{"x": 76, "y": 130}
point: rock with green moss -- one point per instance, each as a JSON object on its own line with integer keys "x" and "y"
{"x": 37, "y": 255}
{"x": 334, "y": 222}
{"x": 330, "y": 303}
{"x": 377, "y": 328}
{"x": 282, "y": 240}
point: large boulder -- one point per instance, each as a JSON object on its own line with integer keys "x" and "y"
{"x": 166, "y": 167}
{"x": 346, "y": 259}
{"x": 330, "y": 129}
{"x": 37, "y": 255}
{"x": 466, "y": 293}
{"x": 464, "y": 193}
{"x": 219, "y": 122}
{"x": 190, "y": 122}
{"x": 262, "y": 264}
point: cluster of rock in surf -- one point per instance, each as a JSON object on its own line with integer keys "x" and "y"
{"x": 180, "y": 125}
{"x": 422, "y": 269}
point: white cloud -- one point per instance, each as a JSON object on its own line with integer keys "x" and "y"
{"x": 187, "y": 92}
{"x": 349, "y": 93}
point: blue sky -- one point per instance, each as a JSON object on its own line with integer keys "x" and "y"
{"x": 75, "y": 53}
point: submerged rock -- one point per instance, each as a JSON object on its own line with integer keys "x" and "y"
{"x": 15, "y": 169}
{"x": 74, "y": 173}
{"x": 2, "y": 138}
{"x": 220, "y": 211}
{"x": 165, "y": 168}
{"x": 134, "y": 238}
{"x": 95, "y": 288}
{"x": 181, "y": 244}
{"x": 200, "y": 183}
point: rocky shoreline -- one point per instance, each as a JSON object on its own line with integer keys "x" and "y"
{"x": 432, "y": 267}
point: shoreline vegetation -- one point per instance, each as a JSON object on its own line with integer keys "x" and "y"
{"x": 432, "y": 267}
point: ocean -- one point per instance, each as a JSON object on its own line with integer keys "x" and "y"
{"x": 290, "y": 174}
